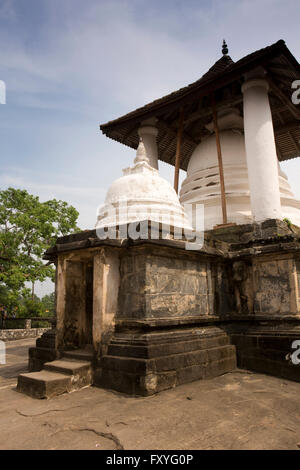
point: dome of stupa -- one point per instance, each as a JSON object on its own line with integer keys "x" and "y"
{"x": 202, "y": 184}
{"x": 141, "y": 194}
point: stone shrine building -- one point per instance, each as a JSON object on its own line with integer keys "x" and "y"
{"x": 140, "y": 315}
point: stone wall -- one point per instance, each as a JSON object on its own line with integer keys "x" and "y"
{"x": 268, "y": 349}
{"x": 11, "y": 335}
{"x": 275, "y": 285}
{"x": 162, "y": 293}
{"x": 162, "y": 283}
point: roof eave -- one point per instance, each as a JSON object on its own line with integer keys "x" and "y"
{"x": 234, "y": 72}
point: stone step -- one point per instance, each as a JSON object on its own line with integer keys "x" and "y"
{"x": 68, "y": 366}
{"x": 79, "y": 354}
{"x": 44, "y": 384}
{"x": 57, "y": 377}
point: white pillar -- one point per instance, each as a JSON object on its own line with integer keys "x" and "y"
{"x": 261, "y": 151}
{"x": 148, "y": 133}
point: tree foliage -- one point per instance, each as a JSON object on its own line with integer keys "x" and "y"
{"x": 48, "y": 302}
{"x": 28, "y": 228}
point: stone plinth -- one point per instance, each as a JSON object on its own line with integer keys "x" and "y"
{"x": 145, "y": 363}
{"x": 165, "y": 333}
{"x": 267, "y": 348}
{"x": 156, "y": 315}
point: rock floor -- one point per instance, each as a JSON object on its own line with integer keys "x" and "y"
{"x": 240, "y": 410}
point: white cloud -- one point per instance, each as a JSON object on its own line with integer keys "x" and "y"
{"x": 102, "y": 59}
{"x": 129, "y": 53}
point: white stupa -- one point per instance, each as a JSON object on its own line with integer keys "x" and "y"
{"x": 141, "y": 194}
{"x": 202, "y": 185}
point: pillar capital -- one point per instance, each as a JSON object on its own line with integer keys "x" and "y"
{"x": 149, "y": 130}
{"x": 255, "y": 82}
{"x": 149, "y": 122}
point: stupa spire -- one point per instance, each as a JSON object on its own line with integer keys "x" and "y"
{"x": 141, "y": 154}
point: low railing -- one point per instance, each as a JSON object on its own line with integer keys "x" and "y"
{"x": 26, "y": 323}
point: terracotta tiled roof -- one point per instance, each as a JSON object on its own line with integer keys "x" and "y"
{"x": 217, "y": 68}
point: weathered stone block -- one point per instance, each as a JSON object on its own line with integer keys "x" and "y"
{"x": 171, "y": 362}
{"x": 274, "y": 289}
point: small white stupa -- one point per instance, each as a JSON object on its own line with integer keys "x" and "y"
{"x": 202, "y": 184}
{"x": 141, "y": 194}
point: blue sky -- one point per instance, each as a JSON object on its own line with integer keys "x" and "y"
{"x": 70, "y": 65}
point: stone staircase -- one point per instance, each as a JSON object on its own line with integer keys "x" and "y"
{"x": 68, "y": 374}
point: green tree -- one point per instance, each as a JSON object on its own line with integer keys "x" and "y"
{"x": 28, "y": 228}
{"x": 48, "y": 302}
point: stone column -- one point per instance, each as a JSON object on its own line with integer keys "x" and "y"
{"x": 261, "y": 154}
{"x": 148, "y": 133}
{"x": 60, "y": 291}
{"x": 105, "y": 297}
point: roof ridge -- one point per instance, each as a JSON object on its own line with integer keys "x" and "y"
{"x": 218, "y": 66}
{"x": 222, "y": 65}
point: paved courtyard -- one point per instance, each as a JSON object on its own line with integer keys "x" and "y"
{"x": 239, "y": 410}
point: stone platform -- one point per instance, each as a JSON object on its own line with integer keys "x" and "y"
{"x": 159, "y": 315}
{"x": 239, "y": 410}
